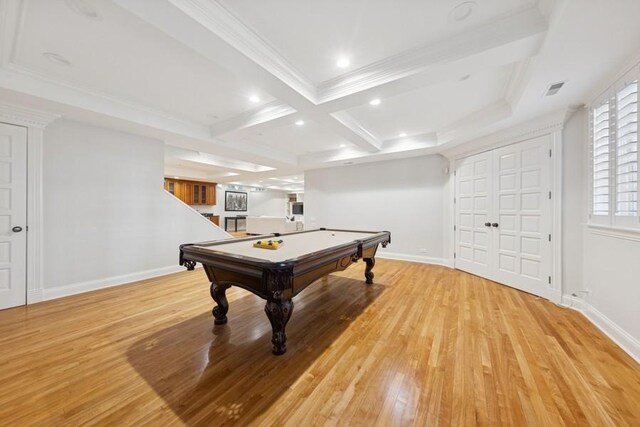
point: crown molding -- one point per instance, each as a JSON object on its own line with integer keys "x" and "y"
{"x": 22, "y": 79}
{"x": 479, "y": 119}
{"x": 266, "y": 113}
{"x": 367, "y": 140}
{"x": 607, "y": 84}
{"x": 427, "y": 138}
{"x": 220, "y": 21}
{"x": 24, "y": 116}
{"x": 544, "y": 125}
{"x": 520, "y": 75}
{"x": 522, "y": 24}
{"x": 391, "y": 149}
{"x": 25, "y": 81}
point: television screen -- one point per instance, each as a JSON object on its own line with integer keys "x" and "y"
{"x": 296, "y": 209}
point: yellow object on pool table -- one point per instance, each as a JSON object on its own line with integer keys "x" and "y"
{"x": 268, "y": 244}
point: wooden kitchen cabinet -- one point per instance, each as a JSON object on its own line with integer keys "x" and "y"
{"x": 192, "y": 192}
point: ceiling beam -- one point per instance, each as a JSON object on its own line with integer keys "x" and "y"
{"x": 510, "y": 28}
{"x": 80, "y": 101}
{"x": 267, "y": 113}
{"x": 223, "y": 39}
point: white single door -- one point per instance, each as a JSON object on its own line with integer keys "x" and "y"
{"x": 503, "y": 215}
{"x": 13, "y": 215}
{"x": 522, "y": 216}
{"x": 472, "y": 206}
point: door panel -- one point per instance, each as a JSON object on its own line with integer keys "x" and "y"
{"x": 524, "y": 211}
{"x": 473, "y": 186}
{"x": 13, "y": 213}
{"x": 507, "y": 187}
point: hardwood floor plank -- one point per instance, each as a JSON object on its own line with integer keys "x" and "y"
{"x": 423, "y": 345}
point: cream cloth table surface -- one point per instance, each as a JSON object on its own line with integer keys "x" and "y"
{"x": 295, "y": 245}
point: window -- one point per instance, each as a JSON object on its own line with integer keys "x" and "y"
{"x": 614, "y": 156}
{"x": 627, "y": 151}
{"x": 601, "y": 149}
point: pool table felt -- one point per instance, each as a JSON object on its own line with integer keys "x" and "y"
{"x": 294, "y": 246}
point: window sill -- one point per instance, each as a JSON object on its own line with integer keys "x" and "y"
{"x": 632, "y": 234}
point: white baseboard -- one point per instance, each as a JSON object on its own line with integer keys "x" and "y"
{"x": 573, "y": 302}
{"x": 34, "y": 296}
{"x": 611, "y": 329}
{"x": 414, "y": 258}
{"x": 92, "y": 285}
{"x": 621, "y": 337}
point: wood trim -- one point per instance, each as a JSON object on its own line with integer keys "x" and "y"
{"x": 35, "y": 121}
{"x": 35, "y": 215}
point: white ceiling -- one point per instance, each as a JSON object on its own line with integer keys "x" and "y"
{"x": 312, "y": 35}
{"x": 183, "y": 71}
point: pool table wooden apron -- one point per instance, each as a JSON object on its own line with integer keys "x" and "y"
{"x": 227, "y": 264}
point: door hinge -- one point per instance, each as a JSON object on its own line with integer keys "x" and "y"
{"x": 454, "y": 172}
{"x": 549, "y": 237}
{"x": 549, "y": 195}
{"x": 549, "y": 279}
{"x": 549, "y": 152}
{"x": 454, "y": 200}
{"x": 454, "y": 228}
{"x": 454, "y": 255}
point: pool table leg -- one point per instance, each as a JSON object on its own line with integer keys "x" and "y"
{"x": 218, "y": 294}
{"x": 368, "y": 274}
{"x": 279, "y": 313}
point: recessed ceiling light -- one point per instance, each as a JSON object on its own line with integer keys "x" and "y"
{"x": 375, "y": 101}
{"x": 343, "y": 145}
{"x": 343, "y": 62}
{"x": 56, "y": 59}
{"x": 254, "y": 98}
{"x": 299, "y": 122}
{"x": 462, "y": 11}
{"x": 176, "y": 177}
{"x": 402, "y": 134}
{"x": 84, "y": 8}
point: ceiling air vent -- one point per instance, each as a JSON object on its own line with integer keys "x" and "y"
{"x": 554, "y": 88}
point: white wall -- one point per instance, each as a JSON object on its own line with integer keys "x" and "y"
{"x": 107, "y": 218}
{"x": 259, "y": 203}
{"x": 602, "y": 270}
{"x": 268, "y": 203}
{"x": 574, "y": 140}
{"x": 408, "y": 197}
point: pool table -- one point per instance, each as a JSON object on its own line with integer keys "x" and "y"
{"x": 277, "y": 275}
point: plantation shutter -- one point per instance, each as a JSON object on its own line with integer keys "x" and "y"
{"x": 601, "y": 152}
{"x": 627, "y": 150}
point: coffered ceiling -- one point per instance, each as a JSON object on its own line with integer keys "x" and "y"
{"x": 246, "y": 90}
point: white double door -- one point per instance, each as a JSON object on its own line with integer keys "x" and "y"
{"x": 503, "y": 215}
{"x": 13, "y": 215}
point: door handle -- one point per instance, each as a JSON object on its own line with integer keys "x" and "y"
{"x": 17, "y": 229}
{"x": 487, "y": 224}
{"x": 495, "y": 224}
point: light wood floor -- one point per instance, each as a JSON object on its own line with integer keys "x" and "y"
{"x": 423, "y": 346}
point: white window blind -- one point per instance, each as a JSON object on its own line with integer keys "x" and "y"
{"x": 627, "y": 150}
{"x": 601, "y": 154}
{"x": 613, "y": 131}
